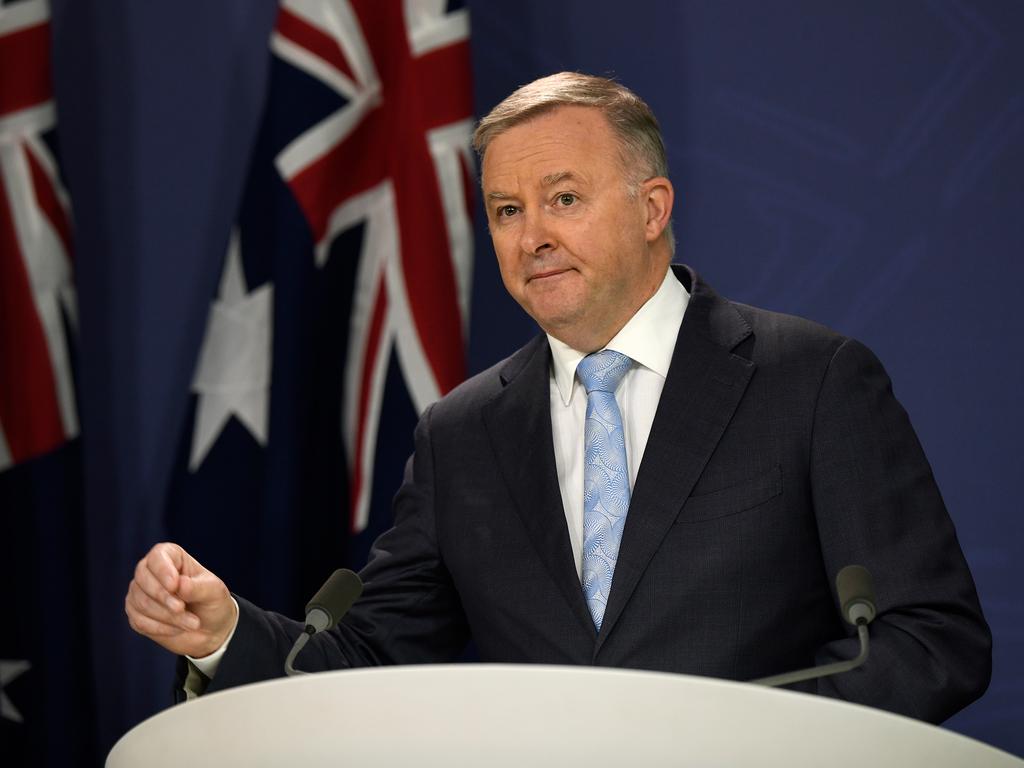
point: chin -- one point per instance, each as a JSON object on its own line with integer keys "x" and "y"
{"x": 558, "y": 324}
{"x": 556, "y": 305}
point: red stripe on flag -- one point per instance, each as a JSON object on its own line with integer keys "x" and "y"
{"x": 429, "y": 272}
{"x": 369, "y": 363}
{"x": 304, "y": 34}
{"x": 49, "y": 204}
{"x": 29, "y": 411}
{"x": 25, "y": 69}
{"x": 450, "y": 65}
{"x": 347, "y": 169}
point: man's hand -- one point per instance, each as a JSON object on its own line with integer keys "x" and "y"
{"x": 176, "y": 602}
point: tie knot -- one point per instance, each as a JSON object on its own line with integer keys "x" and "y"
{"x": 602, "y": 371}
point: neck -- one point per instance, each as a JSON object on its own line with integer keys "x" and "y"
{"x": 587, "y": 338}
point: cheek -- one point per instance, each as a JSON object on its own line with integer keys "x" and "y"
{"x": 508, "y": 264}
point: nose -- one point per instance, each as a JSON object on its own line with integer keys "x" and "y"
{"x": 535, "y": 237}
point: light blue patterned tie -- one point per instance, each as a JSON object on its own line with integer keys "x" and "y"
{"x": 605, "y": 476}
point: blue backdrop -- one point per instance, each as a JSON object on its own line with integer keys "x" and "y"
{"x": 858, "y": 163}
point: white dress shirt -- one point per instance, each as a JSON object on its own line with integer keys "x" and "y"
{"x": 649, "y": 338}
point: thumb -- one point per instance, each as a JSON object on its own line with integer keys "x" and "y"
{"x": 203, "y": 587}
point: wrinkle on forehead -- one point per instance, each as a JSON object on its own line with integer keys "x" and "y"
{"x": 549, "y": 180}
{"x": 510, "y": 177}
{"x": 554, "y": 148}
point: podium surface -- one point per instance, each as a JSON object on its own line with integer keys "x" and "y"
{"x": 515, "y": 715}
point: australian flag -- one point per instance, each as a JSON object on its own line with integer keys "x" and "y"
{"x": 340, "y": 313}
{"x": 45, "y": 676}
{"x": 342, "y": 308}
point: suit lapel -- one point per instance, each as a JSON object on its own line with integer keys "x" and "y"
{"x": 704, "y": 386}
{"x": 519, "y": 426}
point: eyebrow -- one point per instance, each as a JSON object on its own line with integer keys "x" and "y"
{"x": 554, "y": 178}
{"x": 547, "y": 181}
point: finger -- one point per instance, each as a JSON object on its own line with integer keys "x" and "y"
{"x": 167, "y": 561}
{"x": 149, "y": 583}
{"x": 152, "y": 628}
{"x": 144, "y": 605}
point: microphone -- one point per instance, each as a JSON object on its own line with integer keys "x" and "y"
{"x": 857, "y": 603}
{"x": 328, "y": 605}
{"x": 856, "y": 594}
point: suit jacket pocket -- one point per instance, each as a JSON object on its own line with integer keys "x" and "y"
{"x": 733, "y": 499}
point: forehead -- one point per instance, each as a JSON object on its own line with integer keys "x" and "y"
{"x": 573, "y": 140}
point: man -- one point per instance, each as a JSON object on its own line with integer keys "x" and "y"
{"x": 663, "y": 480}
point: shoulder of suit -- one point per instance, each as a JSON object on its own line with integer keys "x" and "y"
{"x": 482, "y": 387}
{"x": 777, "y": 335}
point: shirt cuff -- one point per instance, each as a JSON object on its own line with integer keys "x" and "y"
{"x": 208, "y": 664}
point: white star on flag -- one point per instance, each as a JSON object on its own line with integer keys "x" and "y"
{"x": 9, "y": 670}
{"x": 233, "y": 374}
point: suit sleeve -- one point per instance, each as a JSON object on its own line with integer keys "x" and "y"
{"x": 877, "y": 505}
{"x": 409, "y": 612}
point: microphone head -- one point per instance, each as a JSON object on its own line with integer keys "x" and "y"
{"x": 336, "y": 596}
{"x": 856, "y": 594}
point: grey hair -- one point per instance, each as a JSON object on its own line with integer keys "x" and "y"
{"x": 642, "y": 149}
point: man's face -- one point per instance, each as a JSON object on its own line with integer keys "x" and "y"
{"x": 573, "y": 246}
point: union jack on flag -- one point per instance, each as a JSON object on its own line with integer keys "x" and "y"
{"x": 396, "y": 156}
{"x": 37, "y": 298}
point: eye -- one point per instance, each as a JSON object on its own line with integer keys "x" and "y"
{"x": 507, "y": 210}
{"x": 566, "y": 199}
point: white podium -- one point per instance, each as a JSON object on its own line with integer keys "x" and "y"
{"x": 529, "y": 715}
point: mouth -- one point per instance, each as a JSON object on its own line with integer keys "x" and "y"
{"x": 546, "y": 275}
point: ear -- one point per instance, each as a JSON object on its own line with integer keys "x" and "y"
{"x": 658, "y": 196}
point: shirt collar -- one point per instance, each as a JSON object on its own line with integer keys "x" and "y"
{"x": 649, "y": 337}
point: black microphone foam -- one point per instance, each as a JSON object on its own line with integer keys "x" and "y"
{"x": 328, "y": 605}
{"x": 856, "y": 594}
{"x": 335, "y": 597}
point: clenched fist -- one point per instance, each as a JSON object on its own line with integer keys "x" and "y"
{"x": 176, "y": 602}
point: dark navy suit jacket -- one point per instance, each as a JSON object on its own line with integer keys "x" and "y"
{"x": 778, "y": 455}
